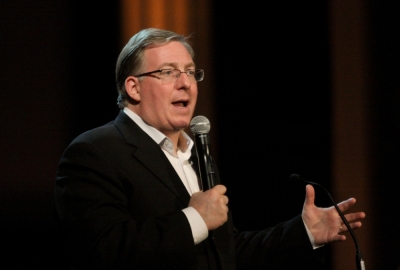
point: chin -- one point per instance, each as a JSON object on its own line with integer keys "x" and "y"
{"x": 178, "y": 125}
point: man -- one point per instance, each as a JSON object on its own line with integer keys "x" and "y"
{"x": 127, "y": 196}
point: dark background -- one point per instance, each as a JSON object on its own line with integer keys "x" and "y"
{"x": 273, "y": 93}
{"x": 273, "y": 108}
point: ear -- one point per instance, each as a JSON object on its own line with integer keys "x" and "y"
{"x": 132, "y": 88}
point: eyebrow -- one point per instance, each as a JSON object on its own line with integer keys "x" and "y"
{"x": 175, "y": 65}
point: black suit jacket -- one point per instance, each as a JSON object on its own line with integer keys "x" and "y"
{"x": 118, "y": 202}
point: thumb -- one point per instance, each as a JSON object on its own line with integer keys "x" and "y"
{"x": 310, "y": 195}
{"x": 221, "y": 189}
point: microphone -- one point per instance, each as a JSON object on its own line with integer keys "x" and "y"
{"x": 200, "y": 126}
{"x": 359, "y": 259}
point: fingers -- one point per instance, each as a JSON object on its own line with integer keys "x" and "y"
{"x": 310, "y": 195}
{"x": 339, "y": 237}
{"x": 354, "y": 221}
{"x": 325, "y": 224}
{"x": 212, "y": 206}
{"x": 344, "y": 205}
{"x": 353, "y": 225}
{"x": 221, "y": 189}
{"x": 352, "y": 217}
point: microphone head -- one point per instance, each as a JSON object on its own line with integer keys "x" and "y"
{"x": 200, "y": 125}
{"x": 295, "y": 177}
{"x": 298, "y": 177}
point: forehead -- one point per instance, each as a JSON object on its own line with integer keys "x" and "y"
{"x": 170, "y": 53}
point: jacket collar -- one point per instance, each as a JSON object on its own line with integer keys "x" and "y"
{"x": 149, "y": 153}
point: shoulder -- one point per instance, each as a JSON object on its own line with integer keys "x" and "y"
{"x": 98, "y": 134}
{"x": 99, "y": 145}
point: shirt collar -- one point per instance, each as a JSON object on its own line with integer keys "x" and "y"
{"x": 185, "y": 143}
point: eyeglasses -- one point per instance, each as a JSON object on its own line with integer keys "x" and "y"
{"x": 172, "y": 75}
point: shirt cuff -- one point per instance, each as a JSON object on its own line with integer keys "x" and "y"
{"x": 311, "y": 237}
{"x": 197, "y": 224}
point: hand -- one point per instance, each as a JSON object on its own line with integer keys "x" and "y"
{"x": 325, "y": 224}
{"x": 212, "y": 206}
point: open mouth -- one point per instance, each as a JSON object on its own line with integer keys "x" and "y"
{"x": 180, "y": 104}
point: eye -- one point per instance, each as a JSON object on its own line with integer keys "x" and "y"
{"x": 191, "y": 72}
{"x": 167, "y": 72}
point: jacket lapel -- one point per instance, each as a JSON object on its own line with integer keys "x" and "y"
{"x": 149, "y": 153}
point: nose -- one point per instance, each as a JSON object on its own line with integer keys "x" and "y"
{"x": 183, "y": 81}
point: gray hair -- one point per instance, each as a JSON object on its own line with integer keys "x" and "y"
{"x": 130, "y": 59}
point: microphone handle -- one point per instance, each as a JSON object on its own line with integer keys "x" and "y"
{"x": 359, "y": 259}
{"x": 206, "y": 164}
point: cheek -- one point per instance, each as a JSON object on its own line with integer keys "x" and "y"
{"x": 195, "y": 93}
{"x": 155, "y": 98}
{"x": 194, "y": 98}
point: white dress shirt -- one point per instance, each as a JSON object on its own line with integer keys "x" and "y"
{"x": 180, "y": 162}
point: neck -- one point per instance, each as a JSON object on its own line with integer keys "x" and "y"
{"x": 174, "y": 137}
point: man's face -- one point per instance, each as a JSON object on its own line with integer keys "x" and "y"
{"x": 167, "y": 107}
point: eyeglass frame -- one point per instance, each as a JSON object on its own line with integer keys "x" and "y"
{"x": 171, "y": 69}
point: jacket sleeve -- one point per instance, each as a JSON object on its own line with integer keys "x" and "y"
{"x": 91, "y": 202}
{"x": 284, "y": 246}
